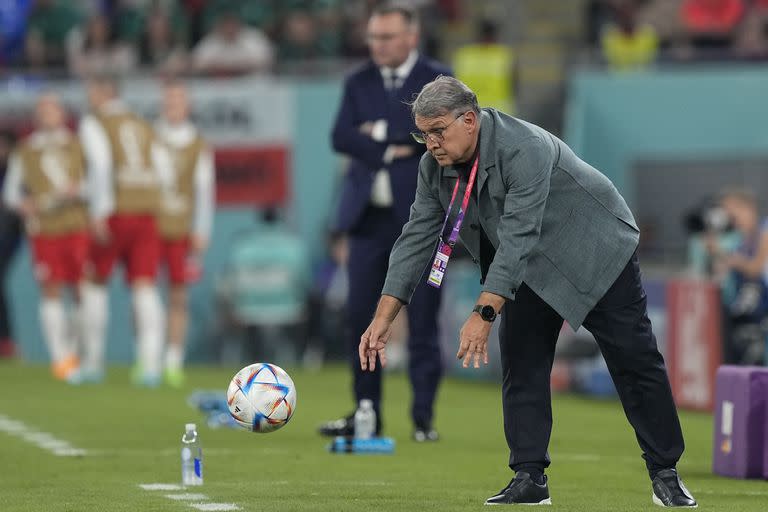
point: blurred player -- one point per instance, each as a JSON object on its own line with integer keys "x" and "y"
{"x": 186, "y": 215}
{"x": 45, "y": 185}
{"x": 124, "y": 191}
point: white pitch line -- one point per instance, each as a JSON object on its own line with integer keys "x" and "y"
{"x": 214, "y": 506}
{"x": 42, "y": 440}
{"x": 161, "y": 487}
{"x": 187, "y": 497}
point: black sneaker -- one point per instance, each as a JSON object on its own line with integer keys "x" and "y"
{"x": 522, "y": 489}
{"x": 341, "y": 427}
{"x": 669, "y": 490}
{"x": 344, "y": 427}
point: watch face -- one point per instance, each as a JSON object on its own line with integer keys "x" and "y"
{"x": 488, "y": 313}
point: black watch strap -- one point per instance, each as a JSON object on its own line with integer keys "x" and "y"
{"x": 486, "y": 312}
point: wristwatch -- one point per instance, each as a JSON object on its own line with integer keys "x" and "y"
{"x": 486, "y": 312}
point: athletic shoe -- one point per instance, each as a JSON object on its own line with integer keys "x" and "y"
{"x": 341, "y": 427}
{"x": 669, "y": 490}
{"x": 344, "y": 427}
{"x": 142, "y": 379}
{"x": 425, "y": 434}
{"x": 90, "y": 376}
{"x": 174, "y": 377}
{"x": 522, "y": 490}
{"x": 65, "y": 369}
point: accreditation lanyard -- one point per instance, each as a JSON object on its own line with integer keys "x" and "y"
{"x": 445, "y": 247}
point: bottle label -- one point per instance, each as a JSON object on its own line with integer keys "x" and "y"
{"x": 198, "y": 468}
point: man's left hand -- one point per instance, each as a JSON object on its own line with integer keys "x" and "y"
{"x": 474, "y": 341}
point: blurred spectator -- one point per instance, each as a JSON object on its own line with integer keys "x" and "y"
{"x": 328, "y": 300}
{"x": 487, "y": 67}
{"x": 50, "y": 23}
{"x": 627, "y": 45}
{"x": 299, "y": 37}
{"x": 306, "y": 36}
{"x": 265, "y": 287}
{"x": 161, "y": 47}
{"x": 751, "y": 41}
{"x": 233, "y": 48}
{"x": 711, "y": 24}
{"x": 664, "y": 17}
{"x": 13, "y": 16}
{"x": 93, "y": 49}
{"x": 747, "y": 268}
{"x": 259, "y": 14}
{"x": 132, "y": 16}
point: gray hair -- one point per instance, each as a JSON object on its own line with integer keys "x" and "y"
{"x": 444, "y": 95}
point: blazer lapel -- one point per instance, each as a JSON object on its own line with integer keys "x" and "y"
{"x": 487, "y": 150}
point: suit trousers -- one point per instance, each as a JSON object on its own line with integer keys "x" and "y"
{"x": 620, "y": 324}
{"x": 369, "y": 247}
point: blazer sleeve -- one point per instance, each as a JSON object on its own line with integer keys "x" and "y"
{"x": 347, "y": 139}
{"x": 413, "y": 249}
{"x": 527, "y": 170}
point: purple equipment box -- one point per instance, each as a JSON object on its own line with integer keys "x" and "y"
{"x": 741, "y": 398}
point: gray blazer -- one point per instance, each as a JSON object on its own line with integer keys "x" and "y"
{"x": 557, "y": 223}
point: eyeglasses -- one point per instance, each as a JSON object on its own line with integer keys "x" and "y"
{"x": 435, "y": 135}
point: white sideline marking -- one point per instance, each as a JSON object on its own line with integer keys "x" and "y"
{"x": 215, "y": 506}
{"x": 161, "y": 487}
{"x": 187, "y": 497}
{"x": 42, "y": 440}
{"x": 190, "y": 496}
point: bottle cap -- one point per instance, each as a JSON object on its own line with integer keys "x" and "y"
{"x": 190, "y": 427}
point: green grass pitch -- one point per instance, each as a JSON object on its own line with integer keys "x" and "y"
{"x": 132, "y": 437}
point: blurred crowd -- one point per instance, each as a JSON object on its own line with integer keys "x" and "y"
{"x": 220, "y": 37}
{"x": 634, "y": 34}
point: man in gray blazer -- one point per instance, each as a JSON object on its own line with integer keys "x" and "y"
{"x": 554, "y": 240}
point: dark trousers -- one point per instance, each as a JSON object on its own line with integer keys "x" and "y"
{"x": 10, "y": 235}
{"x": 623, "y": 332}
{"x": 369, "y": 248}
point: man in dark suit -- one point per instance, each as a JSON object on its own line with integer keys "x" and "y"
{"x": 555, "y": 240}
{"x": 373, "y": 129}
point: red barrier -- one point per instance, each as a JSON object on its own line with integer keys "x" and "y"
{"x": 251, "y": 176}
{"x": 694, "y": 341}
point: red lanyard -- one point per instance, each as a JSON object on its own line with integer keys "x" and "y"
{"x": 454, "y": 236}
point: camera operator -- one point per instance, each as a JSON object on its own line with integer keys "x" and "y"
{"x": 746, "y": 269}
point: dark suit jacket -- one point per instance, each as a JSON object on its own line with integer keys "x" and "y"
{"x": 556, "y": 222}
{"x": 365, "y": 99}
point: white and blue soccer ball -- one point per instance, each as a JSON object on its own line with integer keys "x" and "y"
{"x": 261, "y": 397}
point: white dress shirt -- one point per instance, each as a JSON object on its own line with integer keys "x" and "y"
{"x": 381, "y": 191}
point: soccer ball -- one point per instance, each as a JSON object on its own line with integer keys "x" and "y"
{"x": 261, "y": 397}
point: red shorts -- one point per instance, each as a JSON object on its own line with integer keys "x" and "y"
{"x": 134, "y": 240}
{"x": 60, "y": 258}
{"x": 175, "y": 258}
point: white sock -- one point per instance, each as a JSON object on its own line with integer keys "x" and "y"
{"x": 93, "y": 321}
{"x": 174, "y": 356}
{"x": 55, "y": 328}
{"x": 149, "y": 329}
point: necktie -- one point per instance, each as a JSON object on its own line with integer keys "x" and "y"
{"x": 392, "y": 83}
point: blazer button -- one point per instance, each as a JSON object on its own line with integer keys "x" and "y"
{"x": 473, "y": 226}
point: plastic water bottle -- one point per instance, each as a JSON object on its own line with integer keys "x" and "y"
{"x": 365, "y": 420}
{"x": 191, "y": 457}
